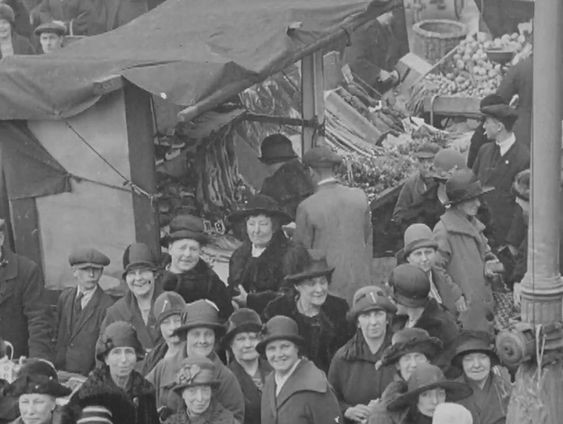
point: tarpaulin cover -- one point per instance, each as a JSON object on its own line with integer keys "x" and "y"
{"x": 30, "y": 170}
{"x": 183, "y": 50}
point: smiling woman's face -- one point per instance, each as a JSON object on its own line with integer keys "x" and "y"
{"x": 184, "y": 255}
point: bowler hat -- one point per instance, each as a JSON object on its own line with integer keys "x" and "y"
{"x": 410, "y": 340}
{"x": 521, "y": 185}
{"x": 260, "y": 204}
{"x": 138, "y": 255}
{"x": 492, "y": 99}
{"x": 201, "y": 313}
{"x": 50, "y": 27}
{"x": 321, "y": 157}
{"x": 87, "y": 257}
{"x": 500, "y": 112}
{"x": 427, "y": 377}
{"x": 7, "y": 13}
{"x": 417, "y": 236}
{"x": 410, "y": 285}
{"x": 279, "y": 328}
{"x": 118, "y": 334}
{"x": 276, "y": 148}
{"x": 427, "y": 150}
{"x": 445, "y": 162}
{"x": 471, "y": 341}
{"x": 186, "y": 227}
{"x": 463, "y": 185}
{"x": 167, "y": 304}
{"x": 37, "y": 376}
{"x": 369, "y": 298}
{"x": 196, "y": 371}
{"x": 240, "y": 321}
{"x": 314, "y": 268}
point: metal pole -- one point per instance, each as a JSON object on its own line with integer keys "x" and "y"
{"x": 542, "y": 289}
{"x": 312, "y": 89}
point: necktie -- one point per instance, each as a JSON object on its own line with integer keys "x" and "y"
{"x": 78, "y": 304}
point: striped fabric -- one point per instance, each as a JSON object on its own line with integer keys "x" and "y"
{"x": 95, "y": 415}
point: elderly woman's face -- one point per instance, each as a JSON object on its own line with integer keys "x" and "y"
{"x": 36, "y": 408}
{"x": 260, "y": 229}
{"x": 373, "y": 324}
{"x": 408, "y": 363}
{"x": 5, "y": 28}
{"x": 167, "y": 327}
{"x": 313, "y": 291}
{"x": 429, "y": 400}
{"x": 423, "y": 258}
{"x": 200, "y": 341}
{"x": 282, "y": 355}
{"x": 184, "y": 255}
{"x": 476, "y": 366}
{"x": 197, "y": 399}
{"x": 121, "y": 361}
{"x": 140, "y": 281}
{"x": 243, "y": 346}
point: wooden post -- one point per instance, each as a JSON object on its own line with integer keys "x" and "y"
{"x": 312, "y": 97}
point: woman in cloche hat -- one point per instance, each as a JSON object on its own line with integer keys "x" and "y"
{"x": 427, "y": 388}
{"x": 320, "y": 316}
{"x": 243, "y": 334}
{"x": 188, "y": 274}
{"x": 296, "y": 392}
{"x": 256, "y": 268}
{"x": 196, "y": 383}
{"x": 463, "y": 250}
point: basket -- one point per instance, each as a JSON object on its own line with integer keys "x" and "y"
{"x": 435, "y": 37}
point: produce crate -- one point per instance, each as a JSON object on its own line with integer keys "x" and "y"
{"x": 435, "y": 37}
{"x": 458, "y": 106}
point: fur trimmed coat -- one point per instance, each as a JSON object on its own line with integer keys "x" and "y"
{"x": 261, "y": 277}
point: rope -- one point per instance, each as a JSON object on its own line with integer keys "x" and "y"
{"x": 539, "y": 352}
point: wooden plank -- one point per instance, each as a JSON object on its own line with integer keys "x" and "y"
{"x": 453, "y": 106}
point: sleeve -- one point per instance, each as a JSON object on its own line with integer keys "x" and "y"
{"x": 230, "y": 395}
{"x": 334, "y": 378}
{"x": 448, "y": 284}
{"x": 477, "y": 163}
{"x": 35, "y": 310}
{"x": 444, "y": 252}
{"x": 304, "y": 230}
{"x": 220, "y": 295}
{"x": 323, "y": 408}
{"x": 509, "y": 84}
{"x": 22, "y": 21}
{"x": 403, "y": 202}
{"x": 259, "y": 301}
{"x": 477, "y": 140}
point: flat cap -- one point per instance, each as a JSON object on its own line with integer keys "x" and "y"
{"x": 86, "y": 257}
{"x": 51, "y": 27}
{"x": 500, "y": 112}
{"x": 320, "y": 156}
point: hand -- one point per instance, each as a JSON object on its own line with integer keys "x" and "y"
{"x": 517, "y": 293}
{"x": 241, "y": 298}
{"x": 460, "y": 304}
{"x": 357, "y": 413}
{"x": 492, "y": 267}
{"x": 289, "y": 230}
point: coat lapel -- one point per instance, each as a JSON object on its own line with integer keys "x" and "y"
{"x": 87, "y": 313}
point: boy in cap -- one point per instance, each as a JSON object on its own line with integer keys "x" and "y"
{"x": 80, "y": 312}
{"x": 336, "y": 220}
{"x": 51, "y": 36}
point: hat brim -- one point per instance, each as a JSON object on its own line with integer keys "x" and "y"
{"x": 247, "y": 327}
{"x": 352, "y": 314}
{"x": 449, "y": 202}
{"x": 51, "y": 388}
{"x": 217, "y": 327}
{"x": 88, "y": 265}
{"x": 243, "y": 214}
{"x": 200, "y": 237}
{"x": 296, "y": 278}
{"x": 276, "y": 159}
{"x": 457, "y": 359}
{"x": 430, "y": 347}
{"x": 60, "y": 32}
{"x": 180, "y": 387}
{"x": 454, "y": 391}
{"x": 261, "y": 347}
{"x": 140, "y": 264}
{"x": 418, "y": 244}
{"x": 410, "y": 302}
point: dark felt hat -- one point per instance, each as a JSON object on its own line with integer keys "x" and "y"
{"x": 50, "y": 27}
{"x": 276, "y": 148}
{"x": 410, "y": 285}
{"x": 472, "y": 341}
{"x": 138, "y": 255}
{"x": 369, "y": 298}
{"x": 240, "y": 321}
{"x": 167, "y": 304}
{"x": 521, "y": 185}
{"x": 37, "y": 376}
{"x": 427, "y": 377}
{"x": 492, "y": 99}
{"x": 202, "y": 313}
{"x": 187, "y": 227}
{"x": 196, "y": 371}
{"x": 410, "y": 340}
{"x": 501, "y": 112}
{"x": 118, "y": 334}
{"x": 417, "y": 236}
{"x": 321, "y": 157}
{"x": 445, "y": 162}
{"x": 463, "y": 185}
{"x": 316, "y": 267}
{"x": 279, "y": 328}
{"x": 261, "y": 204}
{"x": 87, "y": 257}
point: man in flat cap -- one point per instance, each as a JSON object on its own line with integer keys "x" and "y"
{"x": 336, "y": 220}
{"x": 496, "y": 165}
{"x": 290, "y": 182}
{"x": 51, "y": 36}
{"x": 80, "y": 312}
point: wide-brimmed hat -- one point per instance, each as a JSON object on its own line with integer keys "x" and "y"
{"x": 427, "y": 377}
{"x": 241, "y": 321}
{"x": 279, "y": 328}
{"x": 88, "y": 257}
{"x": 410, "y": 340}
{"x": 260, "y": 204}
{"x": 445, "y": 162}
{"x": 196, "y": 371}
{"x": 202, "y": 313}
{"x": 50, "y": 27}
{"x": 472, "y": 341}
{"x": 426, "y": 150}
{"x": 138, "y": 255}
{"x": 276, "y": 148}
{"x": 37, "y": 376}
{"x": 167, "y": 304}
{"x": 316, "y": 267}
{"x": 369, "y": 298}
{"x": 417, "y": 236}
{"x": 463, "y": 185}
{"x": 186, "y": 227}
{"x": 521, "y": 185}
{"x": 321, "y": 157}
{"x": 410, "y": 284}
{"x": 118, "y": 334}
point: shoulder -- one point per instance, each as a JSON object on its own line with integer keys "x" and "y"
{"x": 177, "y": 418}
{"x": 335, "y": 305}
{"x": 221, "y": 415}
{"x": 66, "y": 293}
{"x": 310, "y": 378}
{"x": 281, "y": 305}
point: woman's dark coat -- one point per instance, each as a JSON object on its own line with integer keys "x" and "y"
{"x": 215, "y": 414}
{"x": 261, "y": 277}
{"x": 201, "y": 282}
{"x": 323, "y": 334}
{"x": 252, "y": 394}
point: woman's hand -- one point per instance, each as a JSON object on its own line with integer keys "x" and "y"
{"x": 358, "y": 413}
{"x": 460, "y": 304}
{"x": 241, "y": 298}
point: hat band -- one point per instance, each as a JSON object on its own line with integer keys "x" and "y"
{"x": 466, "y": 193}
